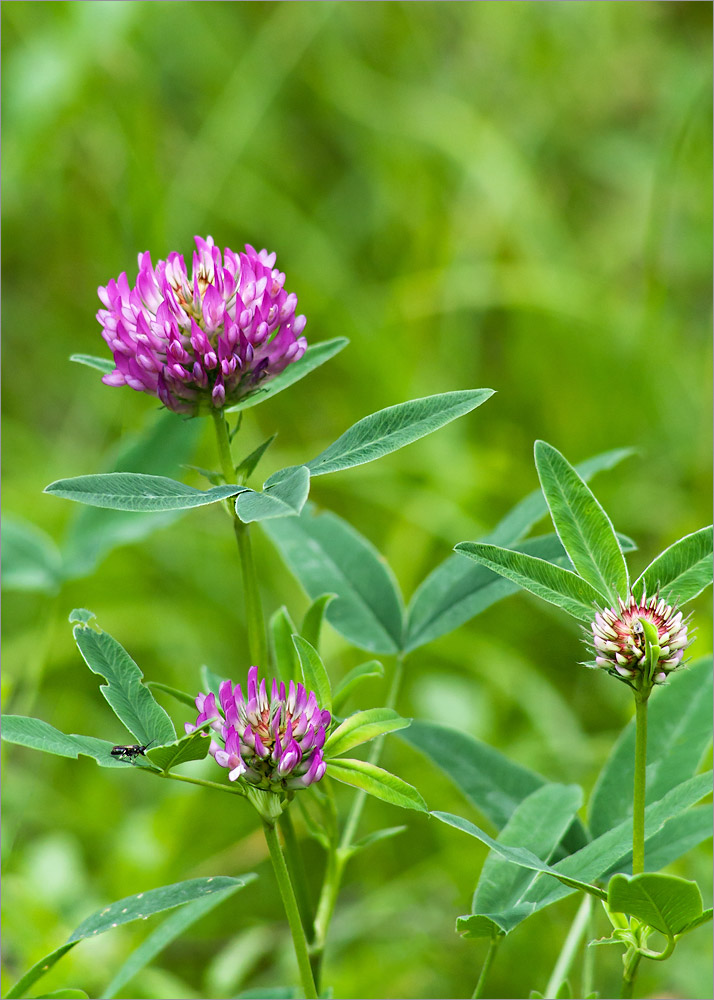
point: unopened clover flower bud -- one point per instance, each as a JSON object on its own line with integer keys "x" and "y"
{"x": 204, "y": 341}
{"x": 273, "y": 739}
{"x": 618, "y": 638}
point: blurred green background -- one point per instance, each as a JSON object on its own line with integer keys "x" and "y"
{"x": 476, "y": 194}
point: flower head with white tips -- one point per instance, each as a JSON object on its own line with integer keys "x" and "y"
{"x": 618, "y": 638}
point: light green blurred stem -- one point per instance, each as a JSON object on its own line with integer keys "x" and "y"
{"x": 638, "y": 799}
{"x": 493, "y": 946}
{"x": 588, "y": 976}
{"x": 253, "y": 605}
{"x": 340, "y": 855}
{"x": 37, "y": 661}
{"x": 570, "y": 947}
{"x": 291, "y": 910}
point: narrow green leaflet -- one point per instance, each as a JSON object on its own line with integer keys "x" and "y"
{"x": 312, "y": 622}
{"x": 281, "y": 630}
{"x": 538, "y": 824}
{"x": 104, "y": 365}
{"x": 131, "y": 701}
{"x": 124, "y": 911}
{"x": 666, "y": 902}
{"x": 169, "y": 930}
{"x": 521, "y": 518}
{"x": 393, "y": 428}
{"x": 552, "y": 583}
{"x": 313, "y": 671}
{"x": 39, "y": 735}
{"x": 30, "y": 559}
{"x": 136, "y": 491}
{"x": 284, "y": 494}
{"x": 457, "y": 590}
{"x": 246, "y": 468}
{"x": 362, "y": 727}
{"x": 327, "y": 555}
{"x": 517, "y": 855}
{"x": 159, "y": 449}
{"x": 376, "y": 836}
{"x": 581, "y": 523}
{"x": 193, "y": 746}
{"x": 494, "y": 784}
{"x": 376, "y": 781}
{"x": 314, "y": 356}
{"x": 680, "y": 572}
{"x": 679, "y": 733}
{"x": 353, "y": 679}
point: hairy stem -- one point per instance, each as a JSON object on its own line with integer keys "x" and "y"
{"x": 340, "y": 855}
{"x": 638, "y": 799}
{"x": 291, "y": 910}
{"x": 253, "y": 606}
{"x": 293, "y": 857}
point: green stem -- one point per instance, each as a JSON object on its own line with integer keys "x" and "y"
{"x": 196, "y": 781}
{"x": 493, "y": 947}
{"x": 570, "y": 947}
{"x": 253, "y": 606}
{"x": 291, "y": 910}
{"x": 224, "y": 446}
{"x": 638, "y": 800}
{"x": 632, "y": 961}
{"x": 340, "y": 855}
{"x": 293, "y": 857}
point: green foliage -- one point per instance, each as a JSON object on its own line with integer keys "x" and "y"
{"x": 136, "y": 907}
{"x": 680, "y": 572}
{"x": 679, "y": 730}
{"x": 393, "y": 428}
{"x": 488, "y": 779}
{"x": 582, "y": 525}
{"x": 41, "y": 735}
{"x": 169, "y": 930}
{"x": 354, "y": 679}
{"x": 314, "y": 356}
{"x": 328, "y": 555}
{"x": 669, "y": 904}
{"x": 131, "y": 700}
{"x": 284, "y": 493}
{"x": 377, "y": 782}
{"x": 558, "y": 586}
{"x": 538, "y": 824}
{"x": 137, "y": 492}
{"x": 435, "y": 191}
{"x": 284, "y": 654}
{"x": 314, "y": 674}
{"x": 362, "y": 727}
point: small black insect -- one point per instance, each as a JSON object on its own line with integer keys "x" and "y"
{"x": 129, "y": 752}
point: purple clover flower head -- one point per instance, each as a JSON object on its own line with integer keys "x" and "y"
{"x": 206, "y": 340}
{"x": 271, "y": 740}
{"x": 619, "y": 642}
